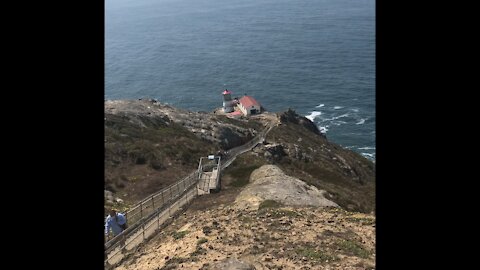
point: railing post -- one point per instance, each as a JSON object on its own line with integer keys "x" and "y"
{"x": 153, "y": 204}
{"x": 141, "y": 210}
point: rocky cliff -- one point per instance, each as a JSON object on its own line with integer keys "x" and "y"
{"x": 297, "y": 201}
{"x": 149, "y": 145}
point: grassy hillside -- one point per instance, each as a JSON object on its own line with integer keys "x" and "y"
{"x": 144, "y": 154}
{"x": 346, "y": 175}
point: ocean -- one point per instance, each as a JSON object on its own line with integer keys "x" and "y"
{"x": 314, "y": 56}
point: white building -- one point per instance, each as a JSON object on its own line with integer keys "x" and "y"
{"x": 248, "y": 105}
{"x": 228, "y": 103}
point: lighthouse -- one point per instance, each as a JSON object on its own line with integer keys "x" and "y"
{"x": 227, "y": 101}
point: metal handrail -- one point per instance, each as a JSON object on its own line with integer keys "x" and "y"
{"x": 193, "y": 177}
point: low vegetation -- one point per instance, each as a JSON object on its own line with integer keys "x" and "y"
{"x": 269, "y": 204}
{"x": 142, "y": 157}
{"x": 179, "y": 235}
{"x": 201, "y": 241}
{"x": 353, "y": 248}
{"x": 239, "y": 171}
{"x": 313, "y": 254}
{"x": 348, "y": 177}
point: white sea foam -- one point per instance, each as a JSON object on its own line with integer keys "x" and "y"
{"x": 361, "y": 122}
{"x": 355, "y": 110}
{"x": 313, "y": 115}
{"x": 319, "y": 106}
{"x": 338, "y": 123}
{"x": 369, "y": 155}
{"x": 323, "y": 129}
{"x": 337, "y": 107}
{"x": 338, "y": 117}
{"x": 366, "y": 148}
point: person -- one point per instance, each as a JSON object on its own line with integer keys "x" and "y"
{"x": 116, "y": 222}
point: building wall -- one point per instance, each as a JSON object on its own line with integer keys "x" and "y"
{"x": 243, "y": 109}
{"x": 246, "y": 111}
{"x": 256, "y": 108}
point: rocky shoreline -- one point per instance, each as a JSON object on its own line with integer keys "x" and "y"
{"x": 297, "y": 201}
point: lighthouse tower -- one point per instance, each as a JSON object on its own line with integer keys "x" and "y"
{"x": 227, "y": 101}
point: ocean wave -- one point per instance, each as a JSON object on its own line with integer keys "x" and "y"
{"x": 366, "y": 148}
{"x": 368, "y": 155}
{"x": 313, "y": 115}
{"x": 338, "y": 107}
{"x": 361, "y": 122}
{"x": 338, "y": 123}
{"x": 337, "y": 117}
{"x": 323, "y": 129}
{"x": 319, "y": 106}
{"x": 354, "y": 110}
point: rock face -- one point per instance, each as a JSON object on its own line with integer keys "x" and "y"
{"x": 232, "y": 264}
{"x": 149, "y": 145}
{"x": 270, "y": 183}
{"x": 348, "y": 177}
{"x": 227, "y": 133}
{"x": 292, "y": 117}
{"x": 228, "y": 138}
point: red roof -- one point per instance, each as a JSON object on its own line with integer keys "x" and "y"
{"x": 236, "y": 113}
{"x": 226, "y": 92}
{"x": 248, "y": 102}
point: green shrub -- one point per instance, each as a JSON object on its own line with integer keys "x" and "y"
{"x": 179, "y": 235}
{"x": 201, "y": 241}
{"x": 352, "y": 248}
{"x": 269, "y": 204}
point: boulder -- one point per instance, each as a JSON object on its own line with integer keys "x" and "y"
{"x": 269, "y": 182}
{"x": 232, "y": 264}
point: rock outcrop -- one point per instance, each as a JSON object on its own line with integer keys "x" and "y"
{"x": 270, "y": 183}
{"x": 311, "y": 207}
{"x": 290, "y": 116}
{"x": 227, "y": 133}
{"x": 149, "y": 145}
{"x": 232, "y": 264}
